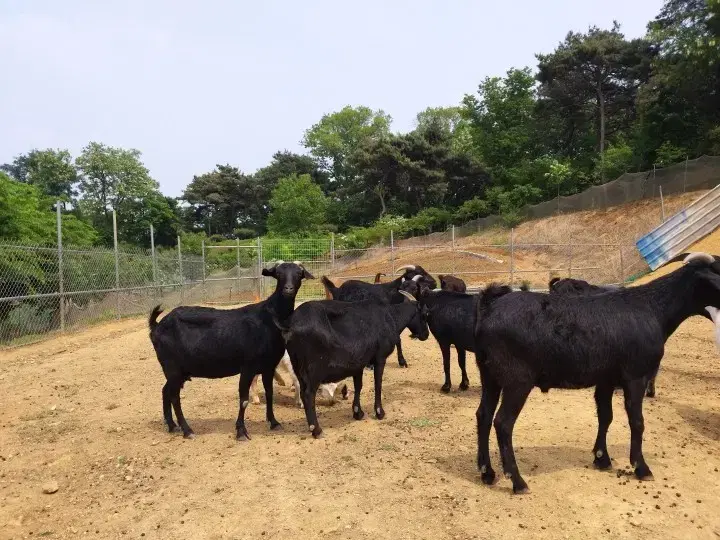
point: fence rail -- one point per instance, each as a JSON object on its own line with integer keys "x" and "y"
{"x": 50, "y": 289}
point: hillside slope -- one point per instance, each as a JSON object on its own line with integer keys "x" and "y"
{"x": 596, "y": 245}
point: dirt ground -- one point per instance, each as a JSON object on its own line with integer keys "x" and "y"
{"x": 84, "y": 411}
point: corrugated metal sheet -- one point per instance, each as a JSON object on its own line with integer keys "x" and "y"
{"x": 682, "y": 230}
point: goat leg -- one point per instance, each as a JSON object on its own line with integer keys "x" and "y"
{"x": 309, "y": 392}
{"x": 603, "y": 403}
{"x": 167, "y": 410}
{"x": 445, "y": 349}
{"x": 175, "y": 396}
{"x": 513, "y": 400}
{"x": 401, "y": 357}
{"x": 485, "y": 412}
{"x": 358, "y": 413}
{"x": 465, "y": 382}
{"x": 378, "y": 375}
{"x": 244, "y": 391}
{"x": 267, "y": 379}
{"x": 633, "y": 393}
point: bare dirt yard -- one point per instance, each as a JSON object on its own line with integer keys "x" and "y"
{"x": 84, "y": 411}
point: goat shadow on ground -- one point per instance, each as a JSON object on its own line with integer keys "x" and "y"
{"x": 472, "y": 392}
{"x": 707, "y": 423}
{"x": 689, "y": 374}
{"x": 532, "y": 461}
{"x": 331, "y": 416}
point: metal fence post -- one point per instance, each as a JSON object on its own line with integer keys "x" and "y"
{"x": 180, "y": 269}
{"x": 237, "y": 261}
{"x": 332, "y": 253}
{"x": 662, "y": 205}
{"x": 61, "y": 282}
{"x": 117, "y": 266}
{"x": 512, "y": 257}
{"x": 392, "y": 254}
{"x": 203, "y": 272}
{"x": 158, "y": 289}
{"x": 453, "y": 250}
{"x": 260, "y": 268}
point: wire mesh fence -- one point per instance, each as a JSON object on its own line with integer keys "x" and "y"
{"x": 47, "y": 289}
{"x": 656, "y": 183}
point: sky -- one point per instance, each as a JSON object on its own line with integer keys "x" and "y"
{"x": 192, "y": 84}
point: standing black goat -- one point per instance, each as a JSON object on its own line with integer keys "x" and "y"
{"x": 213, "y": 343}
{"x": 451, "y": 319}
{"x": 329, "y": 340}
{"x": 383, "y": 293}
{"x": 610, "y": 340}
{"x": 573, "y": 286}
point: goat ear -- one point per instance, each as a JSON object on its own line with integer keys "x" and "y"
{"x": 306, "y": 274}
{"x": 271, "y": 272}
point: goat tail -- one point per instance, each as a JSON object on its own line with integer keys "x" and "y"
{"x": 330, "y": 287}
{"x": 152, "y": 320}
{"x": 491, "y": 293}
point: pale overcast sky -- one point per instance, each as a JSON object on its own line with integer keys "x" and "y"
{"x": 192, "y": 83}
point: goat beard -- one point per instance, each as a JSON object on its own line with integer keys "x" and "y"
{"x": 715, "y": 315}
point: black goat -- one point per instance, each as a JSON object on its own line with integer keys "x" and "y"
{"x": 610, "y": 340}
{"x": 573, "y": 286}
{"x": 384, "y": 293}
{"x": 452, "y": 283}
{"x": 213, "y": 343}
{"x": 451, "y": 319}
{"x": 329, "y": 340}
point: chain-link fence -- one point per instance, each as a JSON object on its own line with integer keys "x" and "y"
{"x": 44, "y": 289}
{"x": 690, "y": 175}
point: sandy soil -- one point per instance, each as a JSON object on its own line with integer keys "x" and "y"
{"x": 85, "y": 411}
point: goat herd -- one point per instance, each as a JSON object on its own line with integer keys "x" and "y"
{"x": 577, "y": 336}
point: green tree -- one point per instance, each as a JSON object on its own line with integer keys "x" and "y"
{"x": 298, "y": 207}
{"x": 337, "y": 134}
{"x": 502, "y": 124}
{"x": 52, "y": 171}
{"x": 226, "y": 199}
{"x": 599, "y": 67}
{"x": 111, "y": 177}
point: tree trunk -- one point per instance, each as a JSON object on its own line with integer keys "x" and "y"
{"x": 601, "y": 110}
{"x": 381, "y": 194}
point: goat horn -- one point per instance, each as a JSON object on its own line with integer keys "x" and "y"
{"x": 280, "y": 262}
{"x": 297, "y": 262}
{"x": 408, "y": 296}
{"x": 699, "y": 256}
{"x": 416, "y": 278}
{"x": 406, "y": 267}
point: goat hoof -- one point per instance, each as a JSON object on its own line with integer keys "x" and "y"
{"x": 359, "y": 414}
{"x": 189, "y": 435}
{"x": 172, "y": 428}
{"x": 603, "y": 463}
{"x": 403, "y": 363}
{"x": 464, "y": 385}
{"x": 521, "y": 490}
{"x": 318, "y": 434}
{"x": 446, "y": 388}
{"x": 650, "y": 394}
{"x": 275, "y": 425}
{"x": 644, "y": 474}
{"x": 379, "y": 414}
{"x": 489, "y": 478}
{"x": 242, "y": 435}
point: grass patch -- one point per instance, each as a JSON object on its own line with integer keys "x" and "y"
{"x": 423, "y": 422}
